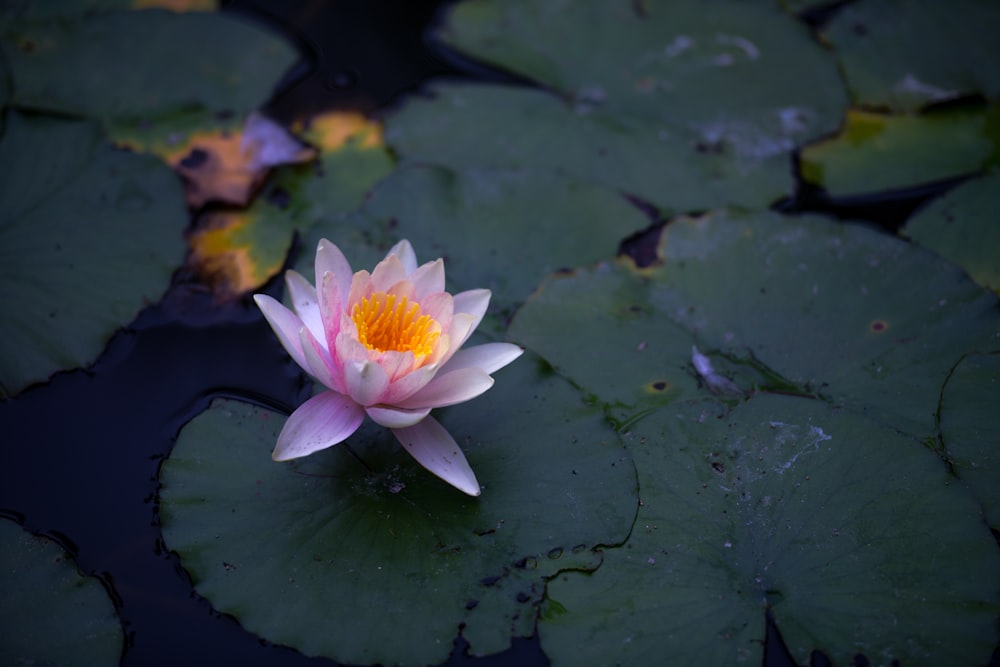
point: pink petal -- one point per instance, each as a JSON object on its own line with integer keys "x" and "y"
{"x": 488, "y": 358}
{"x": 286, "y": 326}
{"x": 404, "y": 251}
{"x": 393, "y": 418}
{"x": 396, "y": 364}
{"x": 409, "y": 384}
{"x": 387, "y": 273}
{"x": 361, "y": 287}
{"x": 366, "y": 382}
{"x": 322, "y": 421}
{"x": 428, "y": 278}
{"x": 331, "y": 307}
{"x": 434, "y": 448}
{"x": 303, "y": 297}
{"x": 448, "y": 389}
{"x": 329, "y": 259}
{"x": 320, "y": 366}
{"x": 440, "y": 306}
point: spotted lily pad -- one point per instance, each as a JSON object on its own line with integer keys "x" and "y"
{"x": 682, "y": 107}
{"x": 360, "y": 536}
{"x": 818, "y": 490}
{"x": 100, "y": 65}
{"x": 875, "y": 152}
{"x": 88, "y": 236}
{"x": 51, "y": 615}
{"x": 962, "y": 227}
{"x": 905, "y": 54}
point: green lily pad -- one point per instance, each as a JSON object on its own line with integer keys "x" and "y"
{"x": 482, "y": 220}
{"x": 684, "y": 108}
{"x": 73, "y": 267}
{"x": 101, "y": 65}
{"x": 876, "y": 152}
{"x": 360, "y": 536}
{"x": 817, "y": 493}
{"x": 905, "y": 54}
{"x": 969, "y": 427}
{"x": 855, "y": 538}
{"x": 51, "y": 615}
{"x": 68, "y": 9}
{"x": 961, "y": 226}
{"x": 794, "y": 305}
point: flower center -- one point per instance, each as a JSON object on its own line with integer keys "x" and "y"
{"x": 387, "y": 325}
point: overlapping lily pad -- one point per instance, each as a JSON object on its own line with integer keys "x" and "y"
{"x": 875, "y": 152}
{"x": 962, "y": 227}
{"x": 905, "y": 54}
{"x": 484, "y": 222}
{"x": 683, "y": 107}
{"x": 360, "y": 536}
{"x": 855, "y": 537}
{"x": 88, "y": 236}
{"x": 50, "y": 615}
{"x": 969, "y": 428}
{"x": 802, "y": 305}
{"x": 127, "y": 64}
{"x": 822, "y": 504}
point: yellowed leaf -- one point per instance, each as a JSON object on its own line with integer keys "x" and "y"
{"x": 332, "y": 130}
{"x": 227, "y": 255}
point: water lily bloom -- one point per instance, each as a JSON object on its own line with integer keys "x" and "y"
{"x": 386, "y": 344}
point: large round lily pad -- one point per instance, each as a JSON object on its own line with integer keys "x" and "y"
{"x": 360, "y": 536}
{"x": 88, "y": 236}
{"x": 140, "y": 63}
{"x": 962, "y": 227}
{"x": 50, "y": 615}
{"x": 683, "y": 107}
{"x": 857, "y": 539}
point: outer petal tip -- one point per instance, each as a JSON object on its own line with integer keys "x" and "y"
{"x": 434, "y": 448}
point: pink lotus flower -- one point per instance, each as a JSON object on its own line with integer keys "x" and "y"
{"x": 385, "y": 344}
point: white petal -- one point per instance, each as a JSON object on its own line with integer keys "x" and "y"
{"x": 434, "y": 448}
{"x": 428, "y": 279}
{"x": 404, "y": 251}
{"x": 329, "y": 259}
{"x": 322, "y": 421}
{"x": 303, "y": 297}
{"x": 448, "y": 389}
{"x": 286, "y": 326}
{"x": 365, "y": 381}
{"x": 393, "y": 418}
{"x": 473, "y": 301}
{"x": 320, "y": 366}
{"x": 488, "y": 358}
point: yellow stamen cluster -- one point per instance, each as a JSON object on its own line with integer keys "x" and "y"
{"x": 385, "y": 324}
